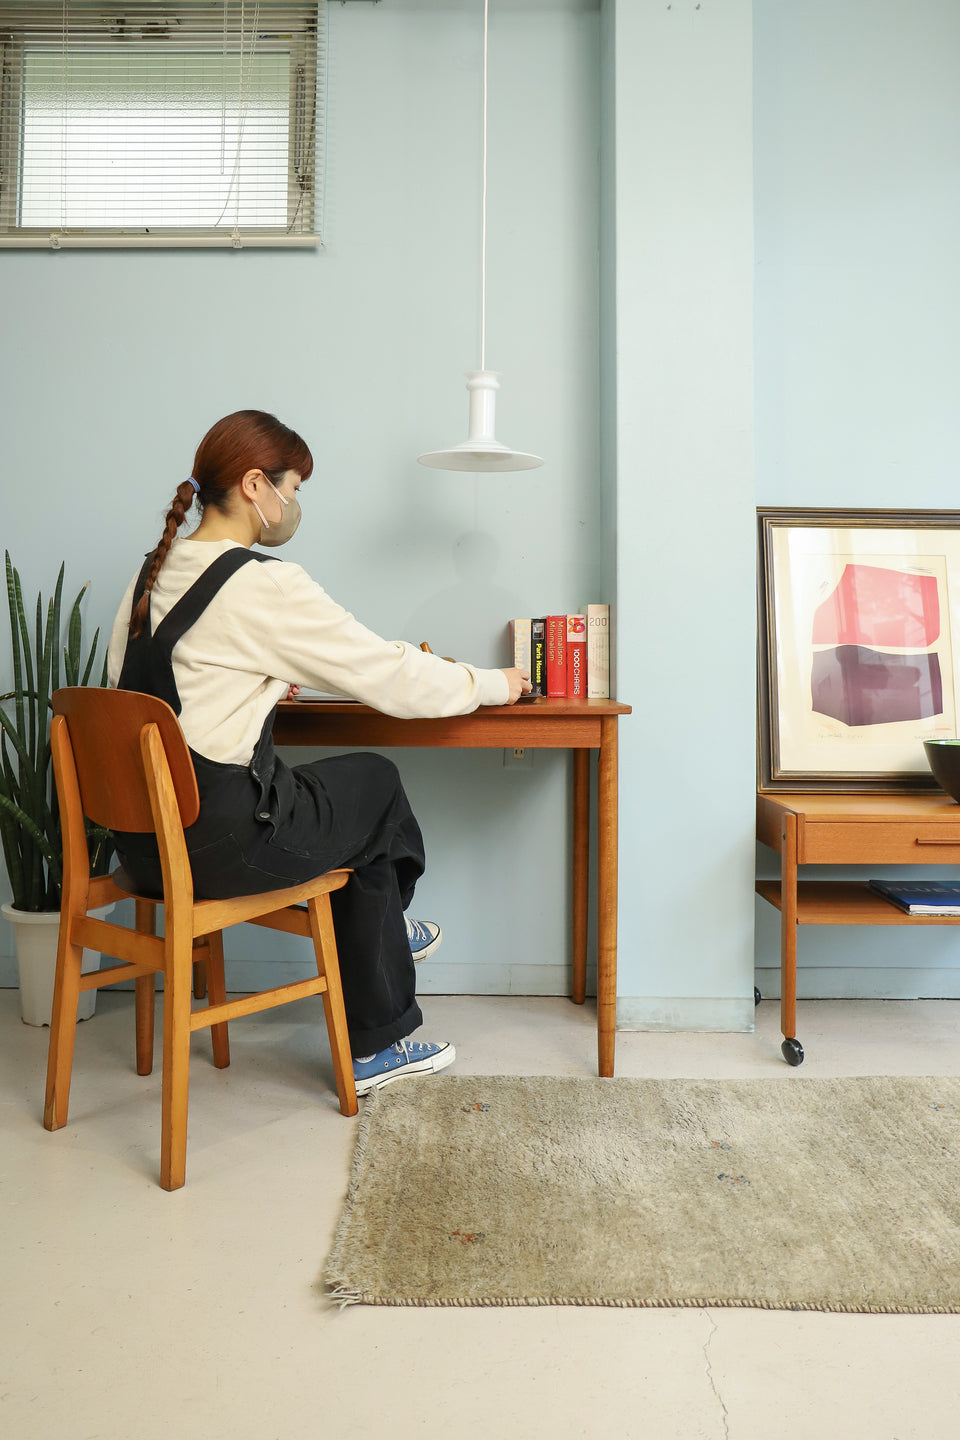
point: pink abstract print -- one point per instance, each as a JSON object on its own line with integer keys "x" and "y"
{"x": 856, "y": 681}
{"x": 876, "y": 607}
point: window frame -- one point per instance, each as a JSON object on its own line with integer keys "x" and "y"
{"x": 305, "y": 181}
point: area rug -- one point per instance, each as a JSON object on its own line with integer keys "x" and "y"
{"x": 784, "y": 1194}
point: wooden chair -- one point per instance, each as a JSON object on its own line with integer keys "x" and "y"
{"x": 120, "y": 758}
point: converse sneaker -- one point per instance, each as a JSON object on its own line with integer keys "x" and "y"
{"x": 424, "y": 937}
{"x": 406, "y": 1057}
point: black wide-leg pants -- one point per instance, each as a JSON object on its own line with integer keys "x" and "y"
{"x": 373, "y": 831}
{"x": 347, "y": 811}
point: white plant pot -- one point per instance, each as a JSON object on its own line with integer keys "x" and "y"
{"x": 35, "y": 935}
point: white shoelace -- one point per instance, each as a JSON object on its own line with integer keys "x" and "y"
{"x": 404, "y": 1046}
{"x": 398, "y": 1045}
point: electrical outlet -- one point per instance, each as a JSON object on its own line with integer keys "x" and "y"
{"x": 518, "y": 758}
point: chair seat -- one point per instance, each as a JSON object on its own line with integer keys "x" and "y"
{"x": 130, "y": 888}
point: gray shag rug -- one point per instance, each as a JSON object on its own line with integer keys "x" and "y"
{"x": 784, "y": 1194}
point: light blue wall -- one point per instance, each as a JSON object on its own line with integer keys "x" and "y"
{"x": 857, "y": 133}
{"x": 685, "y": 511}
{"x": 857, "y": 221}
{"x": 116, "y": 362}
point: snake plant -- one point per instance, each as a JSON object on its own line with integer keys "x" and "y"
{"x": 29, "y": 818}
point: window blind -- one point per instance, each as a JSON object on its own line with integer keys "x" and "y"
{"x": 161, "y": 122}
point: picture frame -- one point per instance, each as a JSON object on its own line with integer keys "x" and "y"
{"x": 858, "y": 613}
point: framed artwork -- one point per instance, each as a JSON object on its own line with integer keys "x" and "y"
{"x": 858, "y": 614}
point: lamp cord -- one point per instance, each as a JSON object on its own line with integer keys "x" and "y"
{"x": 483, "y": 202}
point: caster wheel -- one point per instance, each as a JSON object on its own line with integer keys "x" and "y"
{"x": 757, "y": 997}
{"x": 792, "y": 1052}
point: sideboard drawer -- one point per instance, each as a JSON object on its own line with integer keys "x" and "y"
{"x": 879, "y": 843}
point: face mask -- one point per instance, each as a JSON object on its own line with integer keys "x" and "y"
{"x": 278, "y": 531}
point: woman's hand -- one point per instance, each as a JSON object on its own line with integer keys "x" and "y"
{"x": 519, "y": 682}
{"x": 293, "y": 692}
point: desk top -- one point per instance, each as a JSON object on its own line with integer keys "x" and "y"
{"x": 540, "y": 724}
{"x": 541, "y": 707}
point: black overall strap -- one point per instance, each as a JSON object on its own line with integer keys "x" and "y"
{"x": 194, "y": 601}
{"x": 147, "y": 662}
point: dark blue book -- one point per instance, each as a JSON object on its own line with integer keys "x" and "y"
{"x": 921, "y": 897}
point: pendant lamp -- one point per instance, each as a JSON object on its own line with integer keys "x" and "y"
{"x": 482, "y": 451}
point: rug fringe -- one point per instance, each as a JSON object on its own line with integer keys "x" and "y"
{"x": 345, "y": 1296}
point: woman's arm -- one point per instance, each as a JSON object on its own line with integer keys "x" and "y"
{"x": 292, "y": 629}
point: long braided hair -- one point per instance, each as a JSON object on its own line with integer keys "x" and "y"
{"x": 246, "y": 440}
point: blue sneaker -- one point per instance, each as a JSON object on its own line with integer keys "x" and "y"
{"x": 424, "y": 937}
{"x": 406, "y": 1057}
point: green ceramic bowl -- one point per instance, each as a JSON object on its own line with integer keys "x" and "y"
{"x": 943, "y": 757}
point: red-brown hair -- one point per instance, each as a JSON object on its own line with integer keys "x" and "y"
{"x": 246, "y": 440}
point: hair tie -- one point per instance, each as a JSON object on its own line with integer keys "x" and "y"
{"x": 193, "y": 482}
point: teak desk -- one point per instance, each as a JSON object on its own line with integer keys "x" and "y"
{"x": 577, "y": 725}
{"x": 921, "y": 828}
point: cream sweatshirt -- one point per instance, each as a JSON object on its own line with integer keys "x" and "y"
{"x": 271, "y": 626}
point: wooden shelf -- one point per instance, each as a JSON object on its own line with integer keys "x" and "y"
{"x": 845, "y": 902}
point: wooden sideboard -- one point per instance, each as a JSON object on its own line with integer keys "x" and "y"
{"x": 921, "y": 828}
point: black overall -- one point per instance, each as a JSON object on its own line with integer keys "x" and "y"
{"x": 266, "y": 826}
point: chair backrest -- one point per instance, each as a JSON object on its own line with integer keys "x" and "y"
{"x": 104, "y": 728}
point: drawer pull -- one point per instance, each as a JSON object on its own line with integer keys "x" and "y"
{"x": 921, "y": 840}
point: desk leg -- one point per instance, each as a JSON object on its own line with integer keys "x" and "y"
{"x": 581, "y": 866}
{"x": 792, "y": 1050}
{"x": 607, "y": 895}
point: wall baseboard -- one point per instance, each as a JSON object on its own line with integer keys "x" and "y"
{"x": 432, "y": 978}
{"x": 865, "y": 982}
{"x": 480, "y": 979}
{"x": 633, "y": 1012}
{"x": 685, "y": 1012}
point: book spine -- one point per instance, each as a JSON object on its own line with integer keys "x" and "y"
{"x": 576, "y": 656}
{"x": 538, "y": 656}
{"x": 521, "y": 644}
{"x": 557, "y": 656}
{"x": 598, "y": 652}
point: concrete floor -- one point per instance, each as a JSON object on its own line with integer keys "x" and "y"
{"x": 129, "y": 1312}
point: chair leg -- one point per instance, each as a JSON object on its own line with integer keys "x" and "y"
{"x": 218, "y": 994}
{"x": 63, "y": 1026}
{"x": 146, "y": 988}
{"x": 176, "y": 1060}
{"x": 325, "y": 945}
{"x": 199, "y": 973}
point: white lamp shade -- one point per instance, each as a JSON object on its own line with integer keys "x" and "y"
{"x": 481, "y": 450}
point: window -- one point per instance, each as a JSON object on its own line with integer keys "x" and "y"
{"x": 160, "y": 122}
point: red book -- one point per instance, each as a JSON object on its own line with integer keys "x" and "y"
{"x": 576, "y": 656}
{"x": 557, "y": 656}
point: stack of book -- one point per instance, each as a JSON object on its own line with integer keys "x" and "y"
{"x": 567, "y": 656}
{"x": 921, "y": 897}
